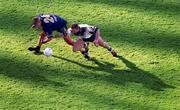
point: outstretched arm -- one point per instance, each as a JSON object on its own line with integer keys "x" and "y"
{"x": 68, "y": 40}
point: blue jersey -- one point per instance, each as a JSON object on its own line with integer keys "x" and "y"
{"x": 51, "y": 23}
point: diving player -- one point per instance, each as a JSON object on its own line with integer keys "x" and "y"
{"x": 88, "y": 33}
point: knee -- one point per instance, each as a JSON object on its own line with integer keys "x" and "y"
{"x": 104, "y": 44}
{"x": 75, "y": 49}
{"x": 42, "y": 34}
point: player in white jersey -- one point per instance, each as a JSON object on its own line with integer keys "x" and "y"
{"x": 87, "y": 33}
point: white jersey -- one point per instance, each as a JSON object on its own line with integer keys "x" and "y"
{"x": 86, "y": 31}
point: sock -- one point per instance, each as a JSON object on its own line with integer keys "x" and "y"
{"x": 110, "y": 49}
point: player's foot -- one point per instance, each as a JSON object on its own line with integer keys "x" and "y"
{"x": 85, "y": 54}
{"x": 35, "y": 48}
{"x": 114, "y": 53}
{"x": 87, "y": 57}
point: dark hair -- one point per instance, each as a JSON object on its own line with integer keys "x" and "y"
{"x": 35, "y": 20}
{"x": 74, "y": 26}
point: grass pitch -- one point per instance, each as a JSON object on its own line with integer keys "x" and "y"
{"x": 145, "y": 76}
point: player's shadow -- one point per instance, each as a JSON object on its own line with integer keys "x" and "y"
{"x": 146, "y": 78}
{"x": 117, "y": 76}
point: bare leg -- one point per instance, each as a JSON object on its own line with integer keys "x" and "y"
{"x": 102, "y": 43}
{"x": 41, "y": 38}
{"x": 37, "y": 48}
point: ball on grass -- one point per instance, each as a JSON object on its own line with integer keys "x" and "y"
{"x": 48, "y": 52}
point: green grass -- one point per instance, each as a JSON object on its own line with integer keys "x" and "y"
{"x": 146, "y": 75}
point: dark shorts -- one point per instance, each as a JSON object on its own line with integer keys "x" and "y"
{"x": 92, "y": 38}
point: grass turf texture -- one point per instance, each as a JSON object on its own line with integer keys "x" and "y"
{"x": 145, "y": 33}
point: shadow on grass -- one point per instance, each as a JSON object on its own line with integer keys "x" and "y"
{"x": 31, "y": 73}
{"x": 134, "y": 74}
{"x": 26, "y": 71}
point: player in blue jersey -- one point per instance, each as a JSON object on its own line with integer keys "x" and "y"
{"x": 48, "y": 24}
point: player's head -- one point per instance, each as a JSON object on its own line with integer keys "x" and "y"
{"x": 36, "y": 23}
{"x": 75, "y": 28}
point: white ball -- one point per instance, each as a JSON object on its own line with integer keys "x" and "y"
{"x": 48, "y": 52}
